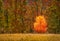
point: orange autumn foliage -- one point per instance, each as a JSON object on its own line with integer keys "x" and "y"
{"x": 40, "y": 25}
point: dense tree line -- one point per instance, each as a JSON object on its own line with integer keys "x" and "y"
{"x": 18, "y": 16}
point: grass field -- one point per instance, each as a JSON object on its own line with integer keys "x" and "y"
{"x": 29, "y": 37}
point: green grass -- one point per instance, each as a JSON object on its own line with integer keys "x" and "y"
{"x": 29, "y": 37}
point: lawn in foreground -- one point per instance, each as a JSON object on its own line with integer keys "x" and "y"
{"x": 29, "y": 37}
